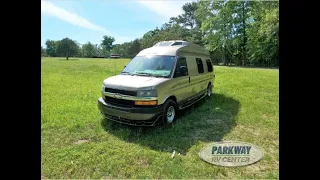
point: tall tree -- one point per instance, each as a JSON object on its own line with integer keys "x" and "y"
{"x": 118, "y": 49}
{"x": 88, "y": 50}
{"x": 246, "y": 31}
{"x": 51, "y": 48}
{"x": 189, "y": 17}
{"x": 240, "y": 14}
{"x": 100, "y": 50}
{"x": 79, "y": 50}
{"x": 263, "y": 34}
{"x": 147, "y": 40}
{"x": 217, "y": 26}
{"x": 195, "y": 36}
{"x": 107, "y": 42}
{"x": 134, "y": 48}
{"x": 43, "y": 51}
{"x": 173, "y": 21}
{"x": 67, "y": 47}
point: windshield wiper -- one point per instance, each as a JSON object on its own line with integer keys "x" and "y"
{"x": 159, "y": 76}
{"x": 143, "y": 73}
{"x": 125, "y": 72}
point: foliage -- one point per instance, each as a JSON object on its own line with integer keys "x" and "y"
{"x": 107, "y": 42}
{"x": 67, "y": 47}
{"x": 51, "y": 48}
{"x": 134, "y": 48}
{"x": 242, "y": 33}
{"x": 89, "y": 50}
{"x": 263, "y": 41}
{"x": 43, "y": 52}
{"x": 245, "y": 32}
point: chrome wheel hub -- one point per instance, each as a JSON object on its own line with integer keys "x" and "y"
{"x": 170, "y": 114}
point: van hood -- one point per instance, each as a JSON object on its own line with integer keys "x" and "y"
{"x": 130, "y": 82}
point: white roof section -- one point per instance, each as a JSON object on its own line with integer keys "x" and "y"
{"x": 171, "y": 43}
{"x": 173, "y": 48}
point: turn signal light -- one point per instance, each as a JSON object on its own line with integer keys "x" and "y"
{"x": 146, "y": 103}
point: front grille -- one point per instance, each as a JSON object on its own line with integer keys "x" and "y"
{"x": 130, "y": 93}
{"x": 119, "y": 102}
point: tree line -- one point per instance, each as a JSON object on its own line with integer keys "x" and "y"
{"x": 68, "y": 47}
{"x": 244, "y": 33}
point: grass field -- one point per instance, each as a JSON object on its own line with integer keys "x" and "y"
{"x": 77, "y": 143}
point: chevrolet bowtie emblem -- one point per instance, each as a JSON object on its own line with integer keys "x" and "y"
{"x": 117, "y": 96}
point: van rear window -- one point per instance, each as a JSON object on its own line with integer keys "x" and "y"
{"x": 209, "y": 65}
{"x": 200, "y": 65}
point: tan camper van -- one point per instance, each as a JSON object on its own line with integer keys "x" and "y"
{"x": 156, "y": 83}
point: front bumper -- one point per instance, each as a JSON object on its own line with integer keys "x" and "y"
{"x": 136, "y": 116}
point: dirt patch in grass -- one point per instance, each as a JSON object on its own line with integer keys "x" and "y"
{"x": 81, "y": 141}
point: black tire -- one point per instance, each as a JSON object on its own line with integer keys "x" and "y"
{"x": 167, "y": 106}
{"x": 209, "y": 91}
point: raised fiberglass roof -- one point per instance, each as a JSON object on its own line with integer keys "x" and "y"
{"x": 171, "y": 43}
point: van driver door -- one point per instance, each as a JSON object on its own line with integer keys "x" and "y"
{"x": 181, "y": 79}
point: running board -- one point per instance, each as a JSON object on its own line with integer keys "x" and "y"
{"x": 193, "y": 101}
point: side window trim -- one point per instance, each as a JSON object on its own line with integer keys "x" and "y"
{"x": 209, "y": 65}
{"x": 200, "y": 67}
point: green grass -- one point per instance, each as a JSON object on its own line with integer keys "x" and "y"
{"x": 243, "y": 108}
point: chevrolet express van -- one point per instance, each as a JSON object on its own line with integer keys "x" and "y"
{"x": 156, "y": 83}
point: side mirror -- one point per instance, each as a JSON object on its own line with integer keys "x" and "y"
{"x": 183, "y": 70}
{"x": 124, "y": 66}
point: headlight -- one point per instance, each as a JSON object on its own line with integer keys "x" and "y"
{"x": 102, "y": 88}
{"x": 147, "y": 93}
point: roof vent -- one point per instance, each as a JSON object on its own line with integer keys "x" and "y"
{"x": 171, "y": 43}
{"x": 163, "y": 43}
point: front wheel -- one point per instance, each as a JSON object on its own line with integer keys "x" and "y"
{"x": 169, "y": 114}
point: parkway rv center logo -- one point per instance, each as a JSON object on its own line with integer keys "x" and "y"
{"x": 231, "y": 153}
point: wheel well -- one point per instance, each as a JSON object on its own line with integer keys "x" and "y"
{"x": 173, "y": 98}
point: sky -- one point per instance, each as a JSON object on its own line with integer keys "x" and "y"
{"x": 90, "y": 20}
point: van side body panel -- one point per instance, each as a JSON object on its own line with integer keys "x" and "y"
{"x": 180, "y": 88}
{"x": 199, "y": 81}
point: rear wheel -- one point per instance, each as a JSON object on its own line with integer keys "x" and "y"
{"x": 169, "y": 114}
{"x": 209, "y": 90}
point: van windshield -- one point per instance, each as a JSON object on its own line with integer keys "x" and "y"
{"x": 157, "y": 66}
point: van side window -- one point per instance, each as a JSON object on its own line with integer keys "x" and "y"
{"x": 181, "y": 62}
{"x": 209, "y": 65}
{"x": 200, "y": 65}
